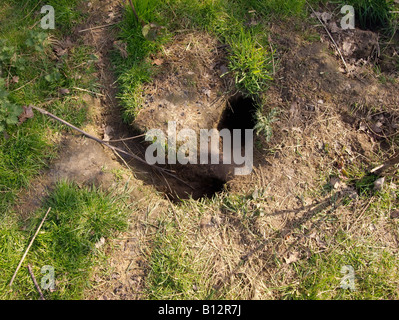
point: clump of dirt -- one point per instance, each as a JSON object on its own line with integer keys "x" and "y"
{"x": 360, "y": 47}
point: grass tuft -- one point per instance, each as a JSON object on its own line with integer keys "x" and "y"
{"x": 78, "y": 220}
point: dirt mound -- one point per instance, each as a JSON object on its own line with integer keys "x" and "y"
{"x": 188, "y": 88}
{"x": 327, "y": 117}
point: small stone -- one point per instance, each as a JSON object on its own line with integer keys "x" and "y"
{"x": 334, "y": 182}
{"x": 63, "y": 91}
{"x": 223, "y": 69}
{"x": 100, "y": 243}
{"x": 255, "y": 194}
{"x": 379, "y": 183}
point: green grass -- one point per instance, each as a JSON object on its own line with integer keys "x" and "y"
{"x": 77, "y": 221}
{"x": 79, "y": 217}
{"x": 372, "y": 14}
{"x": 27, "y": 55}
{"x": 250, "y": 64}
{"x": 183, "y": 256}
{"x": 355, "y": 244}
{"x": 171, "y": 272}
{"x": 134, "y": 70}
{"x": 374, "y": 262}
{"x": 374, "y": 270}
{"x": 22, "y": 156}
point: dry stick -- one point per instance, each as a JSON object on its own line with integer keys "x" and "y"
{"x": 386, "y": 165}
{"x": 24, "y": 85}
{"x": 136, "y": 15}
{"x": 361, "y": 214}
{"x": 109, "y": 146}
{"x": 129, "y": 138}
{"x": 329, "y": 34}
{"x": 85, "y": 90}
{"x": 35, "y": 282}
{"x": 98, "y": 27}
{"x": 30, "y": 244}
{"x": 271, "y": 51}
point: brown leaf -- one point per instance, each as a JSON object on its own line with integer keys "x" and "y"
{"x": 63, "y": 91}
{"x": 15, "y": 79}
{"x": 66, "y": 43}
{"x": 158, "y": 62}
{"x": 395, "y": 214}
{"x": 151, "y": 31}
{"x": 122, "y": 47}
{"x": 59, "y": 51}
{"x": 26, "y": 114}
{"x": 293, "y": 257}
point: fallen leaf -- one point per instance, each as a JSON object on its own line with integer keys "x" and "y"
{"x": 394, "y": 214}
{"x": 100, "y": 243}
{"x": 158, "y": 62}
{"x": 122, "y": 47}
{"x": 325, "y": 16}
{"x": 59, "y": 51}
{"x": 379, "y": 183}
{"x": 107, "y": 133}
{"x": 333, "y": 27}
{"x": 151, "y": 31}
{"x": 27, "y": 113}
{"x": 362, "y": 127}
{"x": 63, "y": 91}
{"x": 66, "y": 43}
{"x": 15, "y": 79}
{"x": 293, "y": 257}
{"x": 335, "y": 182}
{"x": 224, "y": 69}
{"x": 377, "y": 127}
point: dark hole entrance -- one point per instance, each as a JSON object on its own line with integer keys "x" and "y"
{"x": 239, "y": 114}
{"x": 209, "y": 179}
{"x": 205, "y": 180}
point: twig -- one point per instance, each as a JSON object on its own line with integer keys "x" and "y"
{"x": 24, "y": 85}
{"x": 136, "y": 15}
{"x": 271, "y": 51}
{"x": 85, "y": 90}
{"x": 109, "y": 146}
{"x": 381, "y": 136}
{"x": 129, "y": 138}
{"x": 98, "y": 27}
{"x": 35, "y": 282}
{"x": 329, "y": 34}
{"x": 361, "y": 213}
{"x": 30, "y": 244}
{"x": 387, "y": 164}
{"x": 31, "y": 11}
